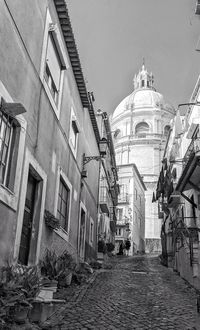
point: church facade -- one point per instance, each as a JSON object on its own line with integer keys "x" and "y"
{"x": 142, "y": 121}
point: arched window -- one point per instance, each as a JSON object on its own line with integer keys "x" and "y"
{"x": 166, "y": 130}
{"x": 141, "y": 128}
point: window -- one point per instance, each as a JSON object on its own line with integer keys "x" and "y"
{"x": 74, "y": 134}
{"x": 12, "y": 142}
{"x": 142, "y": 83}
{"x": 53, "y": 69}
{"x": 141, "y": 128}
{"x": 166, "y": 130}
{"x": 119, "y": 231}
{"x": 91, "y": 231}
{"x": 8, "y": 143}
{"x": 54, "y": 62}
{"x": 119, "y": 214}
{"x": 135, "y": 193}
{"x": 63, "y": 205}
{"x": 74, "y": 130}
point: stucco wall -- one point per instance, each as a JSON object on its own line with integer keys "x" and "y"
{"x": 47, "y": 137}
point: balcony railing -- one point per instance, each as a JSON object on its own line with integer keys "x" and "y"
{"x": 123, "y": 198}
{"x": 123, "y": 221}
{"x": 104, "y": 199}
{"x": 192, "y": 149}
{"x": 139, "y": 136}
{"x": 189, "y": 236}
{"x": 112, "y": 215}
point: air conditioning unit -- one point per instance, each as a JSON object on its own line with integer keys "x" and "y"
{"x": 197, "y": 9}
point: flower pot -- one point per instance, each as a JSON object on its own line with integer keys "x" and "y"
{"x": 50, "y": 283}
{"x": 19, "y": 313}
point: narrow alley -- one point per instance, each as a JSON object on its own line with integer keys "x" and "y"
{"x": 137, "y": 293}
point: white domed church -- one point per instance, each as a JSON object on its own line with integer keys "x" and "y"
{"x": 142, "y": 121}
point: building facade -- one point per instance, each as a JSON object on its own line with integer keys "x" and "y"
{"x": 143, "y": 121}
{"x": 47, "y": 125}
{"x": 130, "y": 209}
{"x": 178, "y": 193}
{"x": 178, "y": 190}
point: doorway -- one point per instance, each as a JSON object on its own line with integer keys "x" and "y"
{"x": 26, "y": 233}
{"x": 82, "y": 234}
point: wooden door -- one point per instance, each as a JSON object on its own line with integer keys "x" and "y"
{"x": 27, "y": 220}
{"x": 82, "y": 235}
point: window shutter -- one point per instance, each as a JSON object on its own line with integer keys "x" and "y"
{"x": 53, "y": 62}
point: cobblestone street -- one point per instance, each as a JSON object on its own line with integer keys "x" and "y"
{"x": 138, "y": 293}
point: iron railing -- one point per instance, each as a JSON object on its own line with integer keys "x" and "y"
{"x": 188, "y": 235}
{"x": 123, "y": 198}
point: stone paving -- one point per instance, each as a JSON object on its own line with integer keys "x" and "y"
{"x": 138, "y": 293}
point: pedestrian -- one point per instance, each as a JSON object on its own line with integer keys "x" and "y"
{"x": 121, "y": 249}
{"x": 127, "y": 246}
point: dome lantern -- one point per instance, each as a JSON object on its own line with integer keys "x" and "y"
{"x": 143, "y": 79}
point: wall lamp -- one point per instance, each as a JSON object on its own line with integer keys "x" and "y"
{"x": 190, "y": 103}
{"x": 103, "y": 146}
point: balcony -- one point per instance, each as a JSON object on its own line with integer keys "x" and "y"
{"x": 123, "y": 198}
{"x": 112, "y": 214}
{"x": 192, "y": 149}
{"x": 104, "y": 199}
{"x": 123, "y": 221}
{"x": 114, "y": 195}
{"x": 190, "y": 177}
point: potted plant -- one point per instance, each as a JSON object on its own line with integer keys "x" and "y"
{"x": 127, "y": 245}
{"x": 66, "y": 265}
{"x": 49, "y": 271}
{"x": 51, "y": 221}
{"x": 18, "y": 288}
{"x": 57, "y": 269}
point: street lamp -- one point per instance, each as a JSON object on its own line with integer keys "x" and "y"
{"x": 103, "y": 146}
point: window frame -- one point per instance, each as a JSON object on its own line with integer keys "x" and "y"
{"x": 64, "y": 233}
{"x": 6, "y": 123}
{"x": 10, "y": 196}
{"x": 52, "y": 31}
{"x": 136, "y": 194}
{"x": 142, "y": 127}
{"x": 74, "y": 121}
{"x": 59, "y": 214}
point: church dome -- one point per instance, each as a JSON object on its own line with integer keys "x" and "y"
{"x": 144, "y": 95}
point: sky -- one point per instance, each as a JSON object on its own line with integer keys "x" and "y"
{"x": 113, "y": 37}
